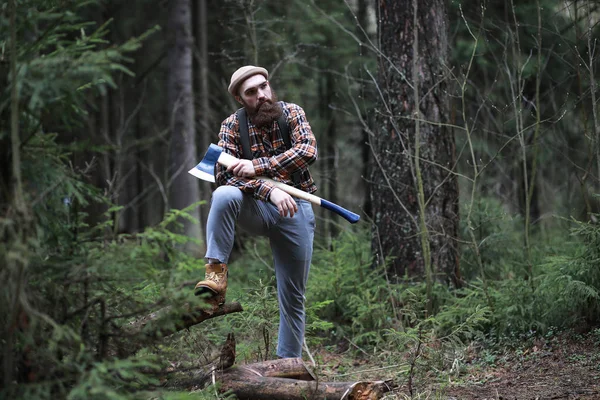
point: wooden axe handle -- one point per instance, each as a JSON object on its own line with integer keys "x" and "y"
{"x": 227, "y": 160}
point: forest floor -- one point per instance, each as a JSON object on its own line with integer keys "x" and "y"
{"x": 566, "y": 366}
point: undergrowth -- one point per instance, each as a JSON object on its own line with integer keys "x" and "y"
{"x": 95, "y": 280}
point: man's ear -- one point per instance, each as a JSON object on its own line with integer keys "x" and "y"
{"x": 239, "y": 99}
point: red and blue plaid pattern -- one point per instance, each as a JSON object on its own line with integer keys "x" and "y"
{"x": 270, "y": 157}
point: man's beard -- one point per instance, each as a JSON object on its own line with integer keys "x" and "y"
{"x": 266, "y": 112}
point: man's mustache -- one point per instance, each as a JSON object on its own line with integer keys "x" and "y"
{"x": 269, "y": 102}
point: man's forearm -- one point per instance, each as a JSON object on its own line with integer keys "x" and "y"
{"x": 260, "y": 189}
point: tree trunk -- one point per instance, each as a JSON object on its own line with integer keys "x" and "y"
{"x": 361, "y": 32}
{"x": 331, "y": 150}
{"x": 5, "y": 145}
{"x": 412, "y": 70}
{"x": 183, "y": 189}
{"x": 203, "y": 116}
{"x": 328, "y": 151}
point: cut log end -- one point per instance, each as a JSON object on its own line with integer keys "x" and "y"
{"x": 366, "y": 391}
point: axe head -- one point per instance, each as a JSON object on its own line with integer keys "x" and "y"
{"x": 205, "y": 169}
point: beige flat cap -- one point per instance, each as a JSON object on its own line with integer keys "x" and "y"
{"x": 242, "y": 74}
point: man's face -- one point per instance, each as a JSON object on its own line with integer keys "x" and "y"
{"x": 254, "y": 92}
{"x": 259, "y": 101}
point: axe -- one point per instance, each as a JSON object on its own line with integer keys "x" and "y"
{"x": 215, "y": 154}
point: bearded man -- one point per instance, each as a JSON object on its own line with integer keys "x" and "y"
{"x": 260, "y": 208}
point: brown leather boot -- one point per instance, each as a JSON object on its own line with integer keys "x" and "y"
{"x": 214, "y": 283}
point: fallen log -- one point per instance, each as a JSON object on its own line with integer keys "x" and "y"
{"x": 291, "y": 368}
{"x": 186, "y": 320}
{"x": 290, "y": 379}
{"x": 164, "y": 322}
{"x": 286, "y": 379}
{"x": 253, "y": 387}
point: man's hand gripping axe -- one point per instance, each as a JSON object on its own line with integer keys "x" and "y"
{"x": 215, "y": 154}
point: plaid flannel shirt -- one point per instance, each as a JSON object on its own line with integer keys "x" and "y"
{"x": 270, "y": 157}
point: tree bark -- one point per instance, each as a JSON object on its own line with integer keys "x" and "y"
{"x": 163, "y": 325}
{"x": 203, "y": 116}
{"x": 328, "y": 144}
{"x": 394, "y": 173}
{"x": 252, "y": 387}
{"x": 183, "y": 190}
{"x": 291, "y": 368}
{"x": 362, "y": 31}
{"x": 290, "y": 379}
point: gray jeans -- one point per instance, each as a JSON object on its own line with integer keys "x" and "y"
{"x": 291, "y": 242}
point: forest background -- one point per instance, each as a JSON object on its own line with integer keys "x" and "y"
{"x": 479, "y": 209}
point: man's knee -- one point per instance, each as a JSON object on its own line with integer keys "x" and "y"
{"x": 226, "y": 196}
{"x": 291, "y": 296}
